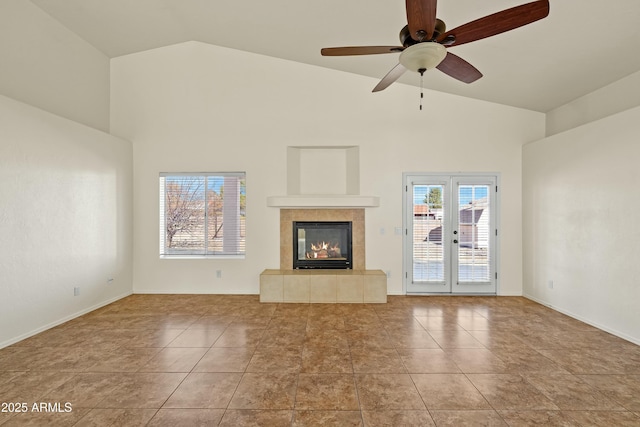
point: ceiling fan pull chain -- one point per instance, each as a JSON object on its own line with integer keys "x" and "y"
{"x": 421, "y": 71}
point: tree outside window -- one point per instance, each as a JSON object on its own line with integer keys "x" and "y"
{"x": 202, "y": 214}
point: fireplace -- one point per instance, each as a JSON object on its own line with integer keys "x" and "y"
{"x": 322, "y": 245}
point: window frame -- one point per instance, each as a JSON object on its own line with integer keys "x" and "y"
{"x": 206, "y": 253}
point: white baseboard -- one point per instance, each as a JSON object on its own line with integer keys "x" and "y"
{"x": 173, "y": 292}
{"x": 61, "y": 321}
{"x": 619, "y": 334}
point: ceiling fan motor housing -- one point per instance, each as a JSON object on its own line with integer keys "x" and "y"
{"x": 407, "y": 40}
{"x": 405, "y": 37}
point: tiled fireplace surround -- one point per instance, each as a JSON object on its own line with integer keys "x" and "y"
{"x": 287, "y": 216}
{"x": 357, "y": 285}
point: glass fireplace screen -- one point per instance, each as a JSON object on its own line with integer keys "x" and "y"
{"x": 322, "y": 245}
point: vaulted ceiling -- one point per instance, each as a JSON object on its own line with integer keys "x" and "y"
{"x": 581, "y": 46}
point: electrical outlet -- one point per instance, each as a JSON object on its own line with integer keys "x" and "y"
{"x": 76, "y": 291}
{"x": 550, "y": 284}
{"x": 388, "y": 274}
{"x": 219, "y": 274}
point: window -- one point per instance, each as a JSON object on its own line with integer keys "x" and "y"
{"x": 202, "y": 214}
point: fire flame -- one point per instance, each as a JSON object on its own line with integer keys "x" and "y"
{"x": 324, "y": 250}
{"x": 320, "y": 246}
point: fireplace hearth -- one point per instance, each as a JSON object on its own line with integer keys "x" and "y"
{"x": 322, "y": 245}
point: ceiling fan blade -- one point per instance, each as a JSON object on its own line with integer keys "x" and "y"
{"x": 391, "y": 77}
{"x": 459, "y": 69}
{"x": 421, "y": 17}
{"x": 359, "y": 50}
{"x": 497, "y": 23}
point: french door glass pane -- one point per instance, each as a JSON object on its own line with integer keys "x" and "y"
{"x": 474, "y": 238}
{"x": 428, "y": 253}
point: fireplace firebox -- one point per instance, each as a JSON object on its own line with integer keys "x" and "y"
{"x": 322, "y": 245}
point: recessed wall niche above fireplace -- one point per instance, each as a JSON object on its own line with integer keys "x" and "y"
{"x": 322, "y": 245}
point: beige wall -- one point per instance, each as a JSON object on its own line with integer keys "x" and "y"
{"x": 65, "y": 219}
{"x": 197, "y": 107}
{"x": 47, "y": 66}
{"x": 580, "y": 201}
{"x": 609, "y": 100}
{"x": 65, "y": 216}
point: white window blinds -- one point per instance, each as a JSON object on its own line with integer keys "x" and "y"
{"x": 202, "y": 214}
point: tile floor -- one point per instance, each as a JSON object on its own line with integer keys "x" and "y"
{"x": 187, "y": 360}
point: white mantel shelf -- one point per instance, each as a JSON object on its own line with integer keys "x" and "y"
{"x": 324, "y": 201}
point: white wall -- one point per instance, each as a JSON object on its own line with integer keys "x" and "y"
{"x": 580, "y": 203}
{"x": 47, "y": 66}
{"x": 65, "y": 219}
{"x": 611, "y": 99}
{"x": 197, "y": 107}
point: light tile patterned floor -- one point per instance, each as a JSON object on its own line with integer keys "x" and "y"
{"x": 187, "y": 360}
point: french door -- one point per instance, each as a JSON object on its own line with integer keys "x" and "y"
{"x": 450, "y": 234}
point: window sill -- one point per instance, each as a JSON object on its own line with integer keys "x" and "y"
{"x": 202, "y": 256}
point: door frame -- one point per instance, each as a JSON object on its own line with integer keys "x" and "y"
{"x": 407, "y": 216}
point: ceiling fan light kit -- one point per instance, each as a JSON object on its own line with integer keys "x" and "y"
{"x": 423, "y": 56}
{"x": 425, "y": 40}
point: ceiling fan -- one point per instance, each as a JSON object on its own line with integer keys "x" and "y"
{"x": 425, "y": 39}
